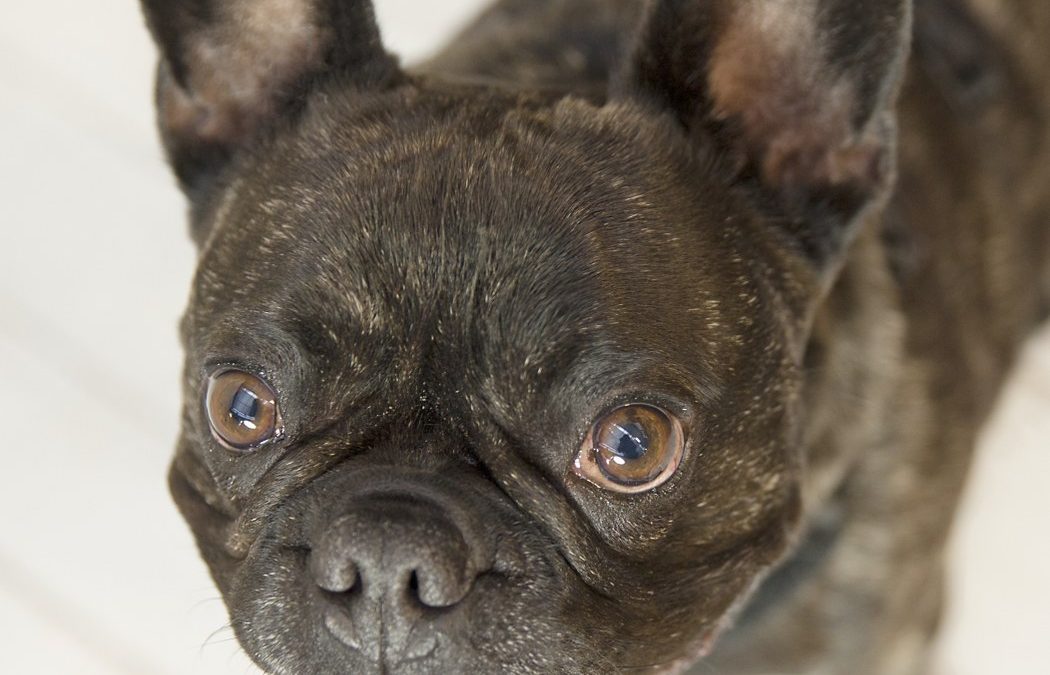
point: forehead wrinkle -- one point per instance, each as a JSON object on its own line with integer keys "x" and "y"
{"x": 360, "y": 251}
{"x": 302, "y": 228}
{"x": 502, "y": 232}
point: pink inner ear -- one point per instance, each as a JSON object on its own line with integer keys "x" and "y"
{"x": 768, "y": 76}
{"x": 188, "y": 116}
{"x": 239, "y": 69}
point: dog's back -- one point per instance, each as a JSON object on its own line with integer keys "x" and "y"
{"x": 974, "y": 164}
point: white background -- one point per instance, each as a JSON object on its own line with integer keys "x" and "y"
{"x": 97, "y": 572}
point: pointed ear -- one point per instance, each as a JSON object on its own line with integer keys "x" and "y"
{"x": 798, "y": 93}
{"x": 231, "y": 68}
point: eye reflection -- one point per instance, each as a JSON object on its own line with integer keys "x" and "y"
{"x": 632, "y": 442}
{"x": 245, "y": 407}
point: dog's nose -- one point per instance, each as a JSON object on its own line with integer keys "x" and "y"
{"x": 395, "y": 552}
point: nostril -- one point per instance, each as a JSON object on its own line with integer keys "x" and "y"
{"x": 392, "y": 550}
{"x": 438, "y": 587}
{"x": 333, "y": 572}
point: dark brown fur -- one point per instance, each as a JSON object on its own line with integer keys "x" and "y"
{"x": 914, "y": 342}
{"x": 446, "y": 272}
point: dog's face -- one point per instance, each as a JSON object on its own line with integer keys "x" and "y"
{"x": 491, "y": 381}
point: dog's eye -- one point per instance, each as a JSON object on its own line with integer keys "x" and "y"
{"x": 242, "y": 410}
{"x": 634, "y": 448}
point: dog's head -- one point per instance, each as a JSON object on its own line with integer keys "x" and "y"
{"x": 507, "y": 381}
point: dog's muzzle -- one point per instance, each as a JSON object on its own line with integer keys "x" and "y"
{"x": 387, "y": 568}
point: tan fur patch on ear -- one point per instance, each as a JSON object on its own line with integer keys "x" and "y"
{"x": 239, "y": 67}
{"x": 769, "y": 76}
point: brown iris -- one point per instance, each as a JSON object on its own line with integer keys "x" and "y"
{"x": 242, "y": 410}
{"x": 634, "y": 448}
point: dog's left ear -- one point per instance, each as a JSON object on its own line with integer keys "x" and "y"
{"x": 232, "y": 68}
{"x": 799, "y": 93}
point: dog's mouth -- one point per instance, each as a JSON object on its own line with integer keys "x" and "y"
{"x": 505, "y": 623}
{"x": 401, "y": 576}
{"x": 373, "y": 571}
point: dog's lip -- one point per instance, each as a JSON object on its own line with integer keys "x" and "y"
{"x": 211, "y": 517}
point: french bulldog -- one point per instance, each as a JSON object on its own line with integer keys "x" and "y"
{"x": 616, "y": 337}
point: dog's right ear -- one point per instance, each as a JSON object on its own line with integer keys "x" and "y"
{"x": 231, "y": 68}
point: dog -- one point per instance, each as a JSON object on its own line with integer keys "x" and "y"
{"x": 616, "y": 337}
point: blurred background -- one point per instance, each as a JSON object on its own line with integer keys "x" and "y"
{"x": 98, "y": 574}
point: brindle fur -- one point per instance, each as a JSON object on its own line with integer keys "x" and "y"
{"x": 906, "y": 360}
{"x": 324, "y": 254}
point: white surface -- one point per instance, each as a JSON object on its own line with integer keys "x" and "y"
{"x": 97, "y": 572}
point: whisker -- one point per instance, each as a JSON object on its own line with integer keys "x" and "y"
{"x": 204, "y": 601}
{"x": 210, "y": 640}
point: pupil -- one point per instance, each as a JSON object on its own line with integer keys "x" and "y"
{"x": 631, "y": 441}
{"x": 245, "y": 406}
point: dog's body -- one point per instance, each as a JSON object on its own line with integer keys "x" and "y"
{"x": 839, "y": 402}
